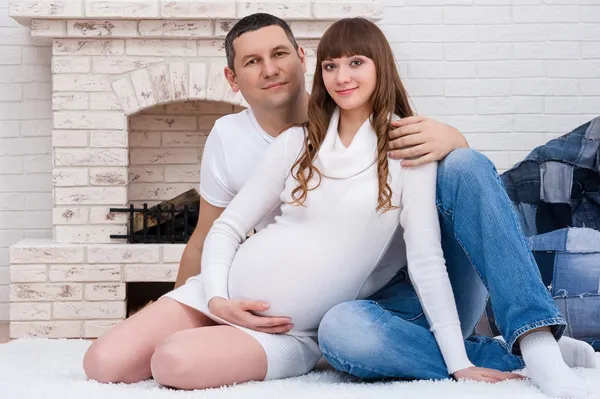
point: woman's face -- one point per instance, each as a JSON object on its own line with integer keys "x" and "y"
{"x": 350, "y": 81}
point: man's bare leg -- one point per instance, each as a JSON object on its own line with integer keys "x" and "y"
{"x": 123, "y": 354}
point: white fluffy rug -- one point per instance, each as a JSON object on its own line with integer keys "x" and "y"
{"x": 51, "y": 369}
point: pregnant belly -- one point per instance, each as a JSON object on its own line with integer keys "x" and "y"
{"x": 300, "y": 273}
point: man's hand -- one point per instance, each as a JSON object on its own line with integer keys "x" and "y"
{"x": 240, "y": 313}
{"x": 419, "y": 140}
{"x": 487, "y": 375}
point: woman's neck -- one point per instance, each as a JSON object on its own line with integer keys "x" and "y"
{"x": 350, "y": 122}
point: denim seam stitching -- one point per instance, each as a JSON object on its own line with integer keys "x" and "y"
{"x": 445, "y": 211}
{"x": 540, "y": 323}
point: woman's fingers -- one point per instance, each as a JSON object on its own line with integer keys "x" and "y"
{"x": 503, "y": 376}
{"x": 276, "y": 330}
{"x": 485, "y": 374}
{"x": 260, "y": 322}
{"x": 256, "y": 306}
{"x": 273, "y": 321}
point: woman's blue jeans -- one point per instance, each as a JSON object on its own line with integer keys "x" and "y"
{"x": 387, "y": 335}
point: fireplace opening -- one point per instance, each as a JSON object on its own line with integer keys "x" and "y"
{"x": 142, "y": 294}
{"x": 171, "y": 221}
{"x": 166, "y": 144}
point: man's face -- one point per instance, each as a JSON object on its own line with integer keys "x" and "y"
{"x": 268, "y": 70}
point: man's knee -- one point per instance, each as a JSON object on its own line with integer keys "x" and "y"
{"x": 349, "y": 330}
{"x": 333, "y": 326}
{"x": 464, "y": 162}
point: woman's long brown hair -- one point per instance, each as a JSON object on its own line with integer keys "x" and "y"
{"x": 349, "y": 37}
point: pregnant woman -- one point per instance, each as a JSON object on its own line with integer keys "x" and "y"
{"x": 341, "y": 201}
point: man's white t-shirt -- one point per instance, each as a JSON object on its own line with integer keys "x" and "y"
{"x": 235, "y": 146}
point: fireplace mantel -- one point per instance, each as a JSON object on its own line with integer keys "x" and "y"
{"x": 26, "y": 11}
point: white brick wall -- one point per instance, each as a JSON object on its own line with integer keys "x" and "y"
{"x": 57, "y": 287}
{"x": 25, "y": 144}
{"x": 510, "y": 74}
{"x": 163, "y": 163}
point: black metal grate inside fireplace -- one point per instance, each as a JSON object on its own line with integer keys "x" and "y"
{"x": 158, "y": 225}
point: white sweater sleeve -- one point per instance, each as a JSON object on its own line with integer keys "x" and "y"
{"x": 258, "y": 198}
{"x": 426, "y": 264}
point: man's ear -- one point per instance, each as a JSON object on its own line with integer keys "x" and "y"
{"x": 230, "y": 76}
{"x": 302, "y": 56}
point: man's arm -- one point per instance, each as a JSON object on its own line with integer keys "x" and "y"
{"x": 192, "y": 254}
{"x": 214, "y": 186}
{"x": 419, "y": 140}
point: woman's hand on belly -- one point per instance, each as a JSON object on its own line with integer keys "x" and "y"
{"x": 239, "y": 312}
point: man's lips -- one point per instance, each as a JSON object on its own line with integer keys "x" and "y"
{"x": 345, "y": 92}
{"x": 273, "y": 85}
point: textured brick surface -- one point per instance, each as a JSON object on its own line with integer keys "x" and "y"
{"x": 46, "y": 329}
{"x": 95, "y": 328}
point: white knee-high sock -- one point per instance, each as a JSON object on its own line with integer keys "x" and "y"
{"x": 548, "y": 370}
{"x": 577, "y": 353}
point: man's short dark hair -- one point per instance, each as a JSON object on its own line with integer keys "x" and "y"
{"x": 252, "y": 23}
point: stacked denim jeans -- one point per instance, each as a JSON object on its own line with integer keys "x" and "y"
{"x": 569, "y": 260}
{"x": 556, "y": 193}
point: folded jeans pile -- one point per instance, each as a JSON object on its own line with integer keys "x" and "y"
{"x": 555, "y": 191}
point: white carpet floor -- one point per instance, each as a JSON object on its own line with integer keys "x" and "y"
{"x": 51, "y": 369}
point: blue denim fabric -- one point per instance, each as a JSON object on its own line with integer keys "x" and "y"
{"x": 558, "y": 184}
{"x": 556, "y": 193}
{"x": 387, "y": 335}
{"x": 569, "y": 260}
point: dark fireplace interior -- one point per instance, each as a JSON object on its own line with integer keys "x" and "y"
{"x": 141, "y": 294}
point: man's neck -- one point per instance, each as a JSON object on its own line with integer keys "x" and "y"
{"x": 273, "y": 121}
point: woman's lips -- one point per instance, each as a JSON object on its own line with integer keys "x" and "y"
{"x": 346, "y": 92}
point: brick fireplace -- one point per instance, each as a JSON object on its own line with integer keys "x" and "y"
{"x": 137, "y": 85}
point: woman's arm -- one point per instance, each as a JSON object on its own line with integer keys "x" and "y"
{"x": 426, "y": 264}
{"x": 257, "y": 199}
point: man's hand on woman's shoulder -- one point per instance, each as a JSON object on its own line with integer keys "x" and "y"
{"x": 419, "y": 140}
{"x": 240, "y": 312}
